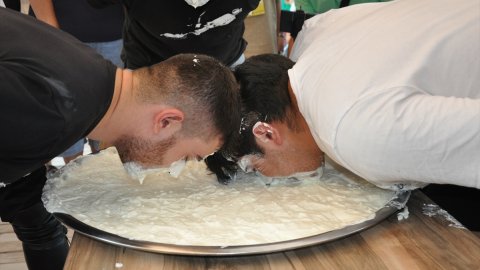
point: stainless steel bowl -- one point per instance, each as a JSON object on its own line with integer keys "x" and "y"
{"x": 80, "y": 227}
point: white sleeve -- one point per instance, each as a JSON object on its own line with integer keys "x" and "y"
{"x": 404, "y": 135}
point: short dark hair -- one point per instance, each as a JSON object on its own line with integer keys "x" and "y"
{"x": 199, "y": 85}
{"x": 264, "y": 87}
{"x": 263, "y": 83}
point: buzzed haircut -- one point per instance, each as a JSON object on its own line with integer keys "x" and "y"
{"x": 199, "y": 85}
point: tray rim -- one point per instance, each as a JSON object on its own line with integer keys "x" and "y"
{"x": 392, "y": 207}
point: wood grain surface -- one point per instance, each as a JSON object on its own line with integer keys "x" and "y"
{"x": 419, "y": 242}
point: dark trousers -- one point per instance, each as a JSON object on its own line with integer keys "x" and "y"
{"x": 44, "y": 240}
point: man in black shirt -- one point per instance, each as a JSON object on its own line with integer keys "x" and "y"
{"x": 184, "y": 107}
{"x": 156, "y": 30}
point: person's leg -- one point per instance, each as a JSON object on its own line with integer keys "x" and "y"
{"x": 44, "y": 240}
{"x": 94, "y": 145}
{"x": 110, "y": 50}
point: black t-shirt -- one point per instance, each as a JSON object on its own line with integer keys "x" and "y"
{"x": 156, "y": 30}
{"x": 53, "y": 92}
{"x": 87, "y": 23}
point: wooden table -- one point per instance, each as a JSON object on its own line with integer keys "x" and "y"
{"x": 419, "y": 242}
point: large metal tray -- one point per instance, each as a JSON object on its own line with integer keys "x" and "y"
{"x": 80, "y": 227}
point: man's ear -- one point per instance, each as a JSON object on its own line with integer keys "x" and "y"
{"x": 267, "y": 134}
{"x": 167, "y": 122}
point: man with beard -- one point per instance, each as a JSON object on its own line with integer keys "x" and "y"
{"x": 184, "y": 107}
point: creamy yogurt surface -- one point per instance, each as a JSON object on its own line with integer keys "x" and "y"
{"x": 194, "y": 209}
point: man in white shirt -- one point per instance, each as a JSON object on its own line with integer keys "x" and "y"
{"x": 391, "y": 91}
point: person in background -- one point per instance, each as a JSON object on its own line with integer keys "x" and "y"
{"x": 181, "y": 108}
{"x": 156, "y": 30}
{"x": 290, "y": 19}
{"x": 284, "y": 39}
{"x": 321, "y": 6}
{"x": 100, "y": 29}
{"x": 390, "y": 91}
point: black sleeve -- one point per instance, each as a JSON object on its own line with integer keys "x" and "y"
{"x": 31, "y": 124}
{"x": 53, "y": 91}
{"x": 28, "y": 116}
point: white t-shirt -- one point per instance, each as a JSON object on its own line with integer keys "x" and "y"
{"x": 391, "y": 91}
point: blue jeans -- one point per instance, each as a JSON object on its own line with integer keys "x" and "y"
{"x": 110, "y": 50}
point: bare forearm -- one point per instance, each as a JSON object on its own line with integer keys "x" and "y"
{"x": 44, "y": 11}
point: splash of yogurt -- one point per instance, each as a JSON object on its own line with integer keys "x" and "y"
{"x": 177, "y": 167}
{"x": 139, "y": 172}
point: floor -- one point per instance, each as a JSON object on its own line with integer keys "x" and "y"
{"x": 259, "y": 41}
{"x": 11, "y": 256}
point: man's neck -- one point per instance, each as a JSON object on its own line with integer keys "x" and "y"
{"x": 113, "y": 122}
{"x": 308, "y": 143}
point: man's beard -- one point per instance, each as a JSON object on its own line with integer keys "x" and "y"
{"x": 145, "y": 152}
